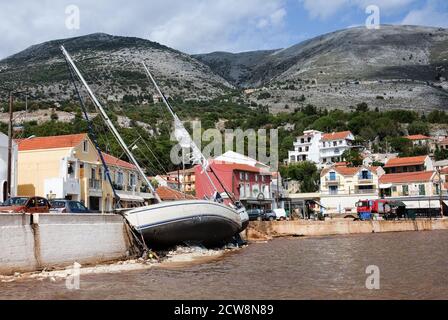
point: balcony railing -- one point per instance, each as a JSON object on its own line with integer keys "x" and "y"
{"x": 332, "y": 180}
{"x": 366, "y": 191}
{"x": 365, "y": 179}
{"x": 95, "y": 184}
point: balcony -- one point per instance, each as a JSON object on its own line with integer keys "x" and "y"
{"x": 95, "y": 184}
{"x": 366, "y": 191}
{"x": 365, "y": 179}
{"x": 332, "y": 181}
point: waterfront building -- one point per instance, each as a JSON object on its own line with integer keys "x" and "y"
{"x": 409, "y": 164}
{"x": 248, "y": 184}
{"x": 342, "y": 187}
{"x": 4, "y": 146}
{"x": 324, "y": 149}
{"x": 187, "y": 179}
{"x": 169, "y": 181}
{"x": 69, "y": 167}
{"x": 419, "y": 190}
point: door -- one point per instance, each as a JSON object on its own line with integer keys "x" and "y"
{"x": 31, "y": 205}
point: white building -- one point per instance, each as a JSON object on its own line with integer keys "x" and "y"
{"x": 322, "y": 149}
{"x": 4, "y": 168}
{"x": 306, "y": 147}
{"x": 333, "y": 145}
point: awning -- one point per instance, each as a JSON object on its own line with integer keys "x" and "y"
{"x": 386, "y": 186}
{"x": 129, "y": 197}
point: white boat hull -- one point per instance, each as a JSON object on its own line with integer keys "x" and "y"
{"x": 172, "y": 223}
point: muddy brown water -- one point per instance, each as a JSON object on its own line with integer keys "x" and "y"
{"x": 413, "y": 265}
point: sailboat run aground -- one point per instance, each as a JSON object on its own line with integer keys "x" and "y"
{"x": 171, "y": 223}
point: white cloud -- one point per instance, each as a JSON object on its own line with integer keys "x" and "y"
{"x": 324, "y": 9}
{"x": 192, "y": 26}
{"x": 429, "y": 15}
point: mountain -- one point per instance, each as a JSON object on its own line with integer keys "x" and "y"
{"x": 237, "y": 68}
{"x": 395, "y": 66}
{"x": 112, "y": 65}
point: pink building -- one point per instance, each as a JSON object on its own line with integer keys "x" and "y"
{"x": 246, "y": 183}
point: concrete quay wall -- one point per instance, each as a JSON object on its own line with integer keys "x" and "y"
{"x": 267, "y": 230}
{"x": 46, "y": 241}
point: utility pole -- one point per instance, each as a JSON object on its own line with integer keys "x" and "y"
{"x": 10, "y": 133}
{"x": 440, "y": 190}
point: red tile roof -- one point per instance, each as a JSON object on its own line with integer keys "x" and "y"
{"x": 53, "y": 142}
{"x": 336, "y": 136}
{"x": 168, "y": 194}
{"x": 417, "y": 137}
{"x": 409, "y": 161}
{"x": 420, "y": 176}
{"x": 348, "y": 171}
{"x": 112, "y": 161}
{"x": 235, "y": 167}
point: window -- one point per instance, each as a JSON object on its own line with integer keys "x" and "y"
{"x": 42, "y": 202}
{"x": 332, "y": 176}
{"x": 119, "y": 178}
{"x": 242, "y": 174}
{"x": 302, "y": 140}
{"x": 85, "y": 146}
{"x": 132, "y": 180}
{"x": 256, "y": 178}
{"x": 436, "y": 188}
{"x": 335, "y": 144}
{"x": 309, "y": 139}
{"x": 405, "y": 190}
{"x": 247, "y": 176}
{"x": 421, "y": 190}
{"x": 307, "y": 149}
{"x": 365, "y": 175}
{"x": 333, "y": 190}
{"x": 242, "y": 193}
{"x": 93, "y": 173}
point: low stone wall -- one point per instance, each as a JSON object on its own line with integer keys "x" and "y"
{"x": 267, "y": 230}
{"x": 31, "y": 243}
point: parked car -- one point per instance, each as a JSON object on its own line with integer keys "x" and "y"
{"x": 269, "y": 215}
{"x": 25, "y": 205}
{"x": 255, "y": 214}
{"x": 68, "y": 206}
{"x": 280, "y": 214}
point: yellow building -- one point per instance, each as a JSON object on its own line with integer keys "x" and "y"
{"x": 342, "y": 187}
{"x": 69, "y": 167}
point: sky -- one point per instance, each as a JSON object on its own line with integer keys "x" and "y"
{"x": 202, "y": 26}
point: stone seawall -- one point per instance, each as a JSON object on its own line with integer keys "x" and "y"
{"x": 31, "y": 243}
{"x": 268, "y": 230}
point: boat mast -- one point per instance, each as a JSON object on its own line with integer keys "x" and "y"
{"x": 110, "y": 124}
{"x": 203, "y": 161}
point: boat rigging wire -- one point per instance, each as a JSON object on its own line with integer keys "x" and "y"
{"x": 93, "y": 137}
